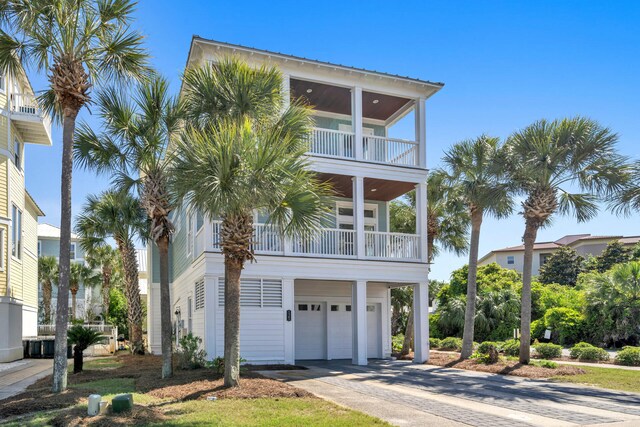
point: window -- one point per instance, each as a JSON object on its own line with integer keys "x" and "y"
{"x": 334, "y": 308}
{"x": 189, "y": 233}
{"x": 2, "y": 83}
{"x": 16, "y": 235}
{"x": 511, "y": 260}
{"x": 344, "y": 216}
{"x": 199, "y": 292}
{"x": 199, "y": 221}
{"x": 72, "y": 251}
{"x": 347, "y": 308}
{"x": 371, "y": 308}
{"x": 39, "y": 247}
{"x": 189, "y": 315}
{"x": 315, "y": 307}
{"x": 2, "y": 249}
{"x": 544, "y": 258}
{"x": 17, "y": 154}
{"x": 256, "y": 293}
{"x": 303, "y": 307}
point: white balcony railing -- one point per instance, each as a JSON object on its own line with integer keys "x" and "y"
{"x": 326, "y": 242}
{"x": 384, "y": 245}
{"x": 390, "y": 150}
{"x": 22, "y": 103}
{"x": 335, "y": 143}
{"x": 330, "y": 243}
{"x": 50, "y": 330}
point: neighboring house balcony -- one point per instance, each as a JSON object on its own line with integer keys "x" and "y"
{"x": 357, "y": 226}
{"x": 355, "y": 124}
{"x": 33, "y": 123}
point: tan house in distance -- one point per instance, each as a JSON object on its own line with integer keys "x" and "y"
{"x": 584, "y": 244}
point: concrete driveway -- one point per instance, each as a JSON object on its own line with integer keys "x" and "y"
{"x": 16, "y": 376}
{"x": 421, "y": 395}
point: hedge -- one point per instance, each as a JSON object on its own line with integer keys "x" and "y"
{"x": 548, "y": 351}
{"x": 629, "y": 356}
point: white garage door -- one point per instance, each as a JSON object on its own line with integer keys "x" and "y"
{"x": 374, "y": 333}
{"x": 310, "y": 327}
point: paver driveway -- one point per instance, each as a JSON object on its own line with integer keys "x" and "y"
{"x": 406, "y": 394}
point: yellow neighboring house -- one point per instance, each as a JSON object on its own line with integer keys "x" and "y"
{"x": 21, "y": 122}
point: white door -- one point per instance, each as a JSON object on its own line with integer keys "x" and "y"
{"x": 374, "y": 331}
{"x": 311, "y": 330}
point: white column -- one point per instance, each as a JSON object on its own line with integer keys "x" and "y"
{"x": 356, "y": 117}
{"x": 358, "y": 215}
{"x": 421, "y": 219}
{"x": 286, "y": 90}
{"x": 210, "y": 307}
{"x": 421, "y": 132}
{"x": 359, "y": 321}
{"x": 421, "y": 322}
{"x": 288, "y": 305}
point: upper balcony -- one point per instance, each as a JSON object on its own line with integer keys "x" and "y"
{"x": 32, "y": 122}
{"x": 355, "y": 124}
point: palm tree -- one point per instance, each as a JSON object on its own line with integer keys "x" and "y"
{"x": 627, "y": 201}
{"x": 47, "y": 276}
{"x": 82, "y": 337}
{"x": 119, "y": 215}
{"x": 79, "y": 274}
{"x": 132, "y": 146}
{"x": 107, "y": 259}
{"x": 252, "y": 153}
{"x": 560, "y": 167}
{"x": 77, "y": 44}
{"x": 474, "y": 168}
{"x": 447, "y": 227}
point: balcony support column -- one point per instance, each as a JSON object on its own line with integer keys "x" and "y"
{"x": 359, "y": 322}
{"x": 358, "y": 215}
{"x": 356, "y": 117}
{"x": 421, "y": 220}
{"x": 421, "y": 132}
{"x": 421, "y": 322}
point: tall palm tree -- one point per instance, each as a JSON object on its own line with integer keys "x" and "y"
{"x": 627, "y": 200}
{"x": 251, "y": 149}
{"x": 107, "y": 259}
{"x": 77, "y": 44}
{"x": 119, "y": 215}
{"x": 80, "y": 274}
{"x": 560, "y": 167}
{"x": 136, "y": 131}
{"x": 47, "y": 276}
{"x": 447, "y": 227}
{"x": 474, "y": 167}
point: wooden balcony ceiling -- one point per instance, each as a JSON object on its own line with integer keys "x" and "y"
{"x": 336, "y": 99}
{"x": 374, "y": 189}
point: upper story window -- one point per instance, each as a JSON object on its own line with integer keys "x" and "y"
{"x": 344, "y": 216}
{"x": 511, "y": 260}
{"x": 3, "y": 83}
{"x": 190, "y": 233}
{"x": 17, "y": 154}
{"x": 39, "y": 248}
{"x": 544, "y": 258}
{"x": 72, "y": 251}
{"x": 16, "y": 235}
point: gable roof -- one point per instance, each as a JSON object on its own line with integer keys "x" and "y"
{"x": 48, "y": 231}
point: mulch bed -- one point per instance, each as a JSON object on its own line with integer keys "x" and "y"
{"x": 503, "y": 367}
{"x": 145, "y": 370}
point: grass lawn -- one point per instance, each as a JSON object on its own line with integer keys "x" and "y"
{"x": 615, "y": 379}
{"x": 180, "y": 401}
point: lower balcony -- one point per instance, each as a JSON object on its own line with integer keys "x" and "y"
{"x": 331, "y": 243}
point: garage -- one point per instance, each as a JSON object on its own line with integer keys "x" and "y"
{"x": 311, "y": 330}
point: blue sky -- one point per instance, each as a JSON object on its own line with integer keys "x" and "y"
{"x": 504, "y": 65}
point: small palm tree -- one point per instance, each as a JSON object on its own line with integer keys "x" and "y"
{"x": 107, "y": 259}
{"x": 474, "y": 168}
{"x": 119, "y": 215}
{"x": 77, "y": 44}
{"x": 81, "y": 337}
{"x": 560, "y": 167}
{"x": 47, "y": 276}
{"x": 133, "y": 147}
{"x": 251, "y": 151}
{"x": 79, "y": 274}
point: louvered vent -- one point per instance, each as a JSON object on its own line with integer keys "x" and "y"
{"x": 255, "y": 293}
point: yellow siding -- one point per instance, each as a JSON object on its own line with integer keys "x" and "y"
{"x": 4, "y": 212}
{"x": 3, "y": 271}
{"x": 30, "y": 255}
{"x": 3, "y": 133}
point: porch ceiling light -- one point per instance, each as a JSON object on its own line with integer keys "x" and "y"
{"x": 375, "y": 101}
{"x": 374, "y": 189}
{"x": 309, "y": 90}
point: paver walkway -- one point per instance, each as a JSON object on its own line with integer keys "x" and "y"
{"x": 16, "y": 376}
{"x": 405, "y": 394}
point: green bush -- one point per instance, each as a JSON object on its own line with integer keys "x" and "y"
{"x": 629, "y": 356}
{"x": 435, "y": 343}
{"x": 487, "y": 346}
{"x": 548, "y": 350}
{"x": 548, "y": 364}
{"x": 577, "y": 349}
{"x": 451, "y": 343}
{"x": 565, "y": 324}
{"x": 396, "y": 343}
{"x": 190, "y": 355}
{"x": 537, "y": 329}
{"x": 511, "y": 348}
{"x": 593, "y": 353}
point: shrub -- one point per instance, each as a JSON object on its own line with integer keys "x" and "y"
{"x": 576, "y": 349}
{"x": 217, "y": 365}
{"x": 396, "y": 343}
{"x": 593, "y": 353}
{"x": 487, "y": 352}
{"x": 548, "y": 350}
{"x": 537, "y": 329}
{"x": 565, "y": 323}
{"x": 190, "y": 355}
{"x": 548, "y": 364}
{"x": 435, "y": 342}
{"x": 629, "y": 356}
{"x": 451, "y": 343}
{"x": 487, "y": 346}
{"x": 511, "y": 348}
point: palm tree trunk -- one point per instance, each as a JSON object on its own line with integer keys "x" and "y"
{"x": 78, "y": 361}
{"x": 132, "y": 293}
{"x": 73, "y": 303}
{"x": 165, "y": 308}
{"x": 233, "y": 269}
{"x": 530, "y": 234}
{"x": 62, "y": 309}
{"x": 46, "y": 300}
{"x": 472, "y": 288}
{"x": 106, "y": 287}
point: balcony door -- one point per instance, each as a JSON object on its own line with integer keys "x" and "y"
{"x": 346, "y": 147}
{"x": 344, "y": 221}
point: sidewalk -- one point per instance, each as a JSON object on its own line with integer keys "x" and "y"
{"x": 16, "y": 376}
